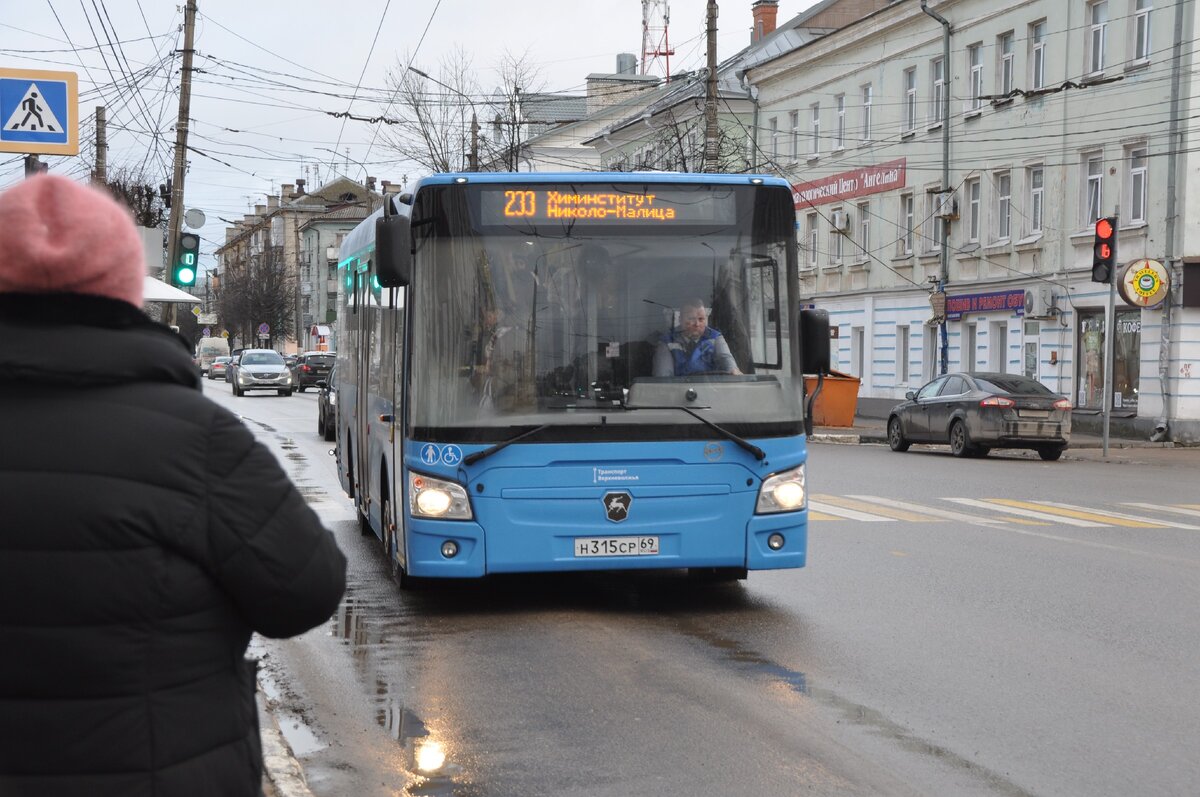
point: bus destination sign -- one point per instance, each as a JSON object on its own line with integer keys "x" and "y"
{"x": 617, "y": 205}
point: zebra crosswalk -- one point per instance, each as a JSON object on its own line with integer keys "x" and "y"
{"x": 1002, "y": 512}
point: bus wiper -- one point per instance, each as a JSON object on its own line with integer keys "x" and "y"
{"x": 758, "y": 453}
{"x": 471, "y": 459}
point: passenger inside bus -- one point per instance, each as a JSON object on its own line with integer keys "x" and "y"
{"x": 693, "y": 347}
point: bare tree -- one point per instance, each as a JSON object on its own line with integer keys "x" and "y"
{"x": 130, "y": 186}
{"x": 438, "y": 134}
{"x": 513, "y": 111}
{"x": 261, "y": 290}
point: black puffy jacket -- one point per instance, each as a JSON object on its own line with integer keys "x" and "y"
{"x": 144, "y": 535}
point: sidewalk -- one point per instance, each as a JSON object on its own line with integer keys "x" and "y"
{"x": 1082, "y": 446}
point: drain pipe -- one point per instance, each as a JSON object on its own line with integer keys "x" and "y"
{"x": 1162, "y": 428}
{"x": 944, "y": 276}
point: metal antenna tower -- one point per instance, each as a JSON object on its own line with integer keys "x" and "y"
{"x": 656, "y": 44}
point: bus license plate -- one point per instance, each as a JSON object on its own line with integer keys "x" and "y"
{"x": 616, "y": 546}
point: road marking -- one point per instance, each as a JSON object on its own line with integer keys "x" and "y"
{"x": 1114, "y": 518}
{"x": 848, "y": 514}
{"x": 1022, "y": 508}
{"x": 1179, "y": 509}
{"x": 928, "y": 510}
{"x": 813, "y": 515}
{"x": 849, "y": 502}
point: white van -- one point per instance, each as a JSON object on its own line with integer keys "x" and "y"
{"x": 209, "y": 349}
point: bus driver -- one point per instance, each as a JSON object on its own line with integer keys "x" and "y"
{"x": 693, "y": 347}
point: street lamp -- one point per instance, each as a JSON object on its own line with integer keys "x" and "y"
{"x": 473, "y": 157}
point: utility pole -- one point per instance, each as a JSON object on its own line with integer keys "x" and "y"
{"x": 944, "y": 271}
{"x": 181, "y": 133}
{"x": 100, "y": 174}
{"x": 473, "y": 162}
{"x": 710, "y": 94}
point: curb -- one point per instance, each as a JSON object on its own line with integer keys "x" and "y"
{"x": 283, "y": 775}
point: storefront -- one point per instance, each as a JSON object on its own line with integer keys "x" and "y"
{"x": 1126, "y": 360}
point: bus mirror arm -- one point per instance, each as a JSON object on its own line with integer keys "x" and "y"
{"x": 808, "y": 410}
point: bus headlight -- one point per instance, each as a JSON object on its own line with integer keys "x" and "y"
{"x": 437, "y": 498}
{"x": 783, "y": 492}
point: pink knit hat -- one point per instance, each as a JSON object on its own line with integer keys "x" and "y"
{"x": 58, "y": 236}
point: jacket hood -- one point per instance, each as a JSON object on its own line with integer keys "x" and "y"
{"x": 81, "y": 341}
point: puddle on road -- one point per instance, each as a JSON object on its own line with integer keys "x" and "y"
{"x": 299, "y": 734}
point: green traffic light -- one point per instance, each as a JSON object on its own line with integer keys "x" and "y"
{"x": 186, "y": 276}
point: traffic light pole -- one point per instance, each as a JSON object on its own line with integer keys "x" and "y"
{"x": 1110, "y": 343}
{"x": 181, "y": 135}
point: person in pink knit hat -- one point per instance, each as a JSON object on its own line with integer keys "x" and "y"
{"x": 146, "y": 533}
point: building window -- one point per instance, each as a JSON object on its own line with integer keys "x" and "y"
{"x": 794, "y": 120}
{"x": 906, "y": 224}
{"x": 937, "y": 98}
{"x": 1137, "y": 185}
{"x": 1035, "y": 180}
{"x": 1126, "y": 360}
{"x": 974, "y": 208}
{"x": 1141, "y": 30}
{"x": 1097, "y": 35}
{"x": 1093, "y": 169}
{"x": 773, "y": 144}
{"x": 1037, "y": 55}
{"x": 901, "y": 354}
{"x": 866, "y": 112}
{"x": 864, "y": 230}
{"x": 967, "y": 355}
{"x": 1004, "y": 47}
{"x": 910, "y": 99}
{"x": 975, "y": 59}
{"x": 839, "y": 140}
{"x": 811, "y": 231}
{"x": 1003, "y": 183}
{"x": 815, "y": 147}
{"x": 933, "y": 225}
{"x": 835, "y": 238}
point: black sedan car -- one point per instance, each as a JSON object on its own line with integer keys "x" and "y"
{"x": 976, "y": 412}
{"x": 327, "y": 406}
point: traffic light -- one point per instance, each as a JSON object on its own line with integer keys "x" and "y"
{"x": 183, "y": 273}
{"x": 1104, "y": 250}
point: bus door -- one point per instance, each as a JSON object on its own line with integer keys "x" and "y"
{"x": 362, "y": 373}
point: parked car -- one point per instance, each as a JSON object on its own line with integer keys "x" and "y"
{"x": 219, "y": 366}
{"x": 313, "y": 366}
{"x": 976, "y": 412}
{"x": 261, "y": 369}
{"x": 327, "y": 405}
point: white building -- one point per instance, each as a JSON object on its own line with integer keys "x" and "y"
{"x": 1061, "y": 111}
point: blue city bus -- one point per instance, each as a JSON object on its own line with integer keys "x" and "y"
{"x": 577, "y": 372}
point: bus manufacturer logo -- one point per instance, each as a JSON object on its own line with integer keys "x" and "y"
{"x": 616, "y": 506}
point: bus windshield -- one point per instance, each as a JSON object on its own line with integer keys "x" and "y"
{"x": 558, "y": 304}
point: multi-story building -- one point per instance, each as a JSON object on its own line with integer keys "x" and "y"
{"x": 1047, "y": 115}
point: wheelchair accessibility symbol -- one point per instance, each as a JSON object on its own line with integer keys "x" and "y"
{"x": 451, "y": 455}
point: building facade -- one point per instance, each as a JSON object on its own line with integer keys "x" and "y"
{"x": 1060, "y": 112}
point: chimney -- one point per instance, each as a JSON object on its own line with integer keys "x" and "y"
{"x": 370, "y": 183}
{"x": 300, "y": 182}
{"x": 286, "y": 192}
{"x": 386, "y": 187}
{"x": 260, "y": 210}
{"x": 272, "y": 203}
{"x": 764, "y": 19}
{"x": 626, "y": 64}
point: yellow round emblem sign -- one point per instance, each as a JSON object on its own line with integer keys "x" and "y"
{"x": 1145, "y": 283}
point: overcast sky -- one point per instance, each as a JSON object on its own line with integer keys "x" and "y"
{"x": 259, "y": 135}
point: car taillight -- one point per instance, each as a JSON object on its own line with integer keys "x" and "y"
{"x": 1062, "y": 404}
{"x": 997, "y": 401}
{"x": 305, "y": 368}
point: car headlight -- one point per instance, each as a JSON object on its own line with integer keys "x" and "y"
{"x": 782, "y": 492}
{"x": 243, "y": 376}
{"x": 436, "y": 498}
{"x": 333, "y": 399}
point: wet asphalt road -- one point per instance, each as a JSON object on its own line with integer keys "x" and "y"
{"x": 988, "y": 653}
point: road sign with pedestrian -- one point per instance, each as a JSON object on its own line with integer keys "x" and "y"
{"x": 39, "y": 112}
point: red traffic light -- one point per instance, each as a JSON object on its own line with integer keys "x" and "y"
{"x": 1104, "y": 229}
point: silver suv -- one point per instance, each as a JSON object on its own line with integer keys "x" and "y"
{"x": 262, "y": 369}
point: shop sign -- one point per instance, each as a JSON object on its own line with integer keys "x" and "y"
{"x": 849, "y": 185}
{"x": 996, "y": 301}
{"x": 1145, "y": 283}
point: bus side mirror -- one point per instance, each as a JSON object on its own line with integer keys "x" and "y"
{"x": 393, "y": 251}
{"x": 814, "y": 333}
